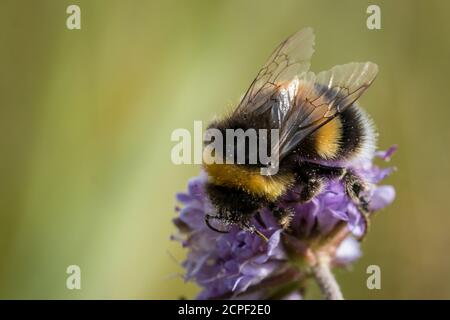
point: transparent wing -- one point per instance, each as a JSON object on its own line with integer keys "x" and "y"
{"x": 290, "y": 58}
{"x": 319, "y": 99}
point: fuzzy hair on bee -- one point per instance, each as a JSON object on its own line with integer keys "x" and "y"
{"x": 321, "y": 132}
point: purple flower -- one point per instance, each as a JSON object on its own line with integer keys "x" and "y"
{"x": 241, "y": 265}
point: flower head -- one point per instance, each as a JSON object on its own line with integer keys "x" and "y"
{"x": 241, "y": 264}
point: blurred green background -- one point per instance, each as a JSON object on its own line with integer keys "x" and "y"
{"x": 86, "y": 117}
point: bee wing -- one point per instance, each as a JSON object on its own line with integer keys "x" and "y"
{"x": 289, "y": 59}
{"x": 319, "y": 99}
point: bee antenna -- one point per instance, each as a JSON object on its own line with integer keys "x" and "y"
{"x": 208, "y": 224}
{"x": 259, "y": 233}
{"x": 253, "y": 229}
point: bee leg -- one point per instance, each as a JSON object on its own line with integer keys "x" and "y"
{"x": 283, "y": 215}
{"x": 311, "y": 177}
{"x": 309, "y": 173}
{"x": 310, "y": 189}
{"x": 354, "y": 188}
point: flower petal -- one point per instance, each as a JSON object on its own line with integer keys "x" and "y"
{"x": 382, "y": 197}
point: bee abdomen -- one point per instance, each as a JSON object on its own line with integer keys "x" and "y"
{"x": 349, "y": 136}
{"x": 358, "y": 134}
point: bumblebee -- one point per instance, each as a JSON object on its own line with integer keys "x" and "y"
{"x": 322, "y": 131}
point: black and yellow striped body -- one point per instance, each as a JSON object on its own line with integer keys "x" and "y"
{"x": 239, "y": 190}
{"x": 349, "y": 136}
